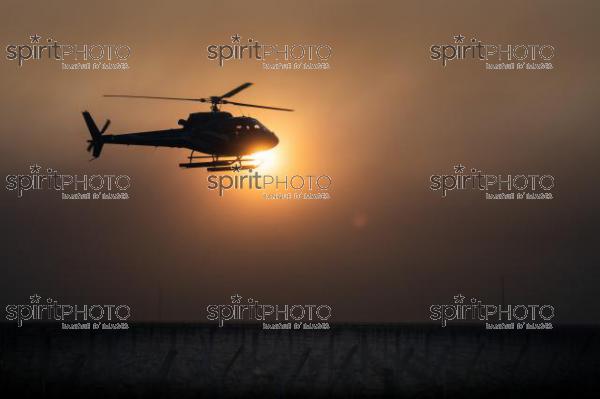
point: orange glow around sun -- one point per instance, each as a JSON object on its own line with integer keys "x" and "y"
{"x": 266, "y": 160}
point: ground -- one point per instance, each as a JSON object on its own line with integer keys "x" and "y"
{"x": 202, "y": 360}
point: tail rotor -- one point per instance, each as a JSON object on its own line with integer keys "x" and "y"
{"x": 96, "y": 143}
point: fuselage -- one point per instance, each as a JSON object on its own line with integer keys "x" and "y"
{"x": 220, "y": 136}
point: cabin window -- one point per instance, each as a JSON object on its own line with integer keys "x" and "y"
{"x": 238, "y": 127}
{"x": 247, "y": 127}
{"x": 257, "y": 127}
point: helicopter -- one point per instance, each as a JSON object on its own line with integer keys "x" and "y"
{"x": 226, "y": 139}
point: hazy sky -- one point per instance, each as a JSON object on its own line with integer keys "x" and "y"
{"x": 380, "y": 122}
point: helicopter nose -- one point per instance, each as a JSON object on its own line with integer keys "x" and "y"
{"x": 274, "y": 140}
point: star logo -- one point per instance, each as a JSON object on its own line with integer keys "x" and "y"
{"x": 459, "y": 298}
{"x": 459, "y": 38}
{"x": 35, "y": 168}
{"x": 236, "y": 298}
{"x": 35, "y": 38}
{"x": 235, "y": 38}
{"x": 236, "y": 168}
{"x": 34, "y": 298}
{"x": 460, "y": 168}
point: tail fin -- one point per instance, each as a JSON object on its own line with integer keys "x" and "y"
{"x": 96, "y": 142}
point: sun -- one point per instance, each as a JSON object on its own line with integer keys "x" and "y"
{"x": 266, "y": 160}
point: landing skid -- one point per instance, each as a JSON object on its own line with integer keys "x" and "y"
{"x": 220, "y": 165}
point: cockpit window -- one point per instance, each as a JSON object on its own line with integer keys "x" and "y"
{"x": 247, "y": 124}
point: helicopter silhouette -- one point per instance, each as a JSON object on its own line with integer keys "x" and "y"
{"x": 227, "y": 139}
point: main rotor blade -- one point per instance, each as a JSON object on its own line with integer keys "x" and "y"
{"x": 156, "y": 98}
{"x": 236, "y": 90}
{"x": 256, "y": 106}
